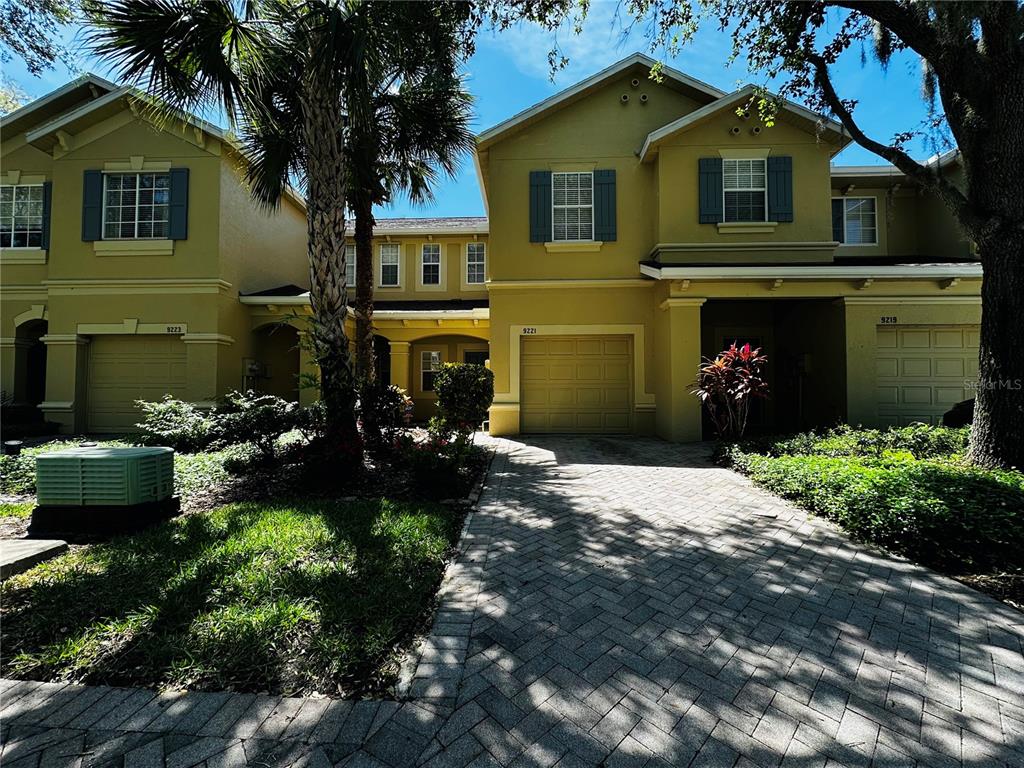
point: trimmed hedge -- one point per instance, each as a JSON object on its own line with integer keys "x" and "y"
{"x": 938, "y": 511}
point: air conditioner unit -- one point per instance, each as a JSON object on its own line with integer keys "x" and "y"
{"x": 84, "y": 477}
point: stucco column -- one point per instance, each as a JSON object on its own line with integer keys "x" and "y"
{"x": 309, "y": 372}
{"x": 400, "y": 365}
{"x": 678, "y": 345}
{"x": 67, "y": 376}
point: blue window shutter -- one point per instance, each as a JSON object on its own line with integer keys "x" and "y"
{"x": 540, "y": 206}
{"x": 604, "y": 206}
{"x": 780, "y": 188}
{"x": 710, "y": 190}
{"x": 47, "y": 205}
{"x": 92, "y": 206}
{"x": 837, "y": 220}
{"x": 177, "y": 214}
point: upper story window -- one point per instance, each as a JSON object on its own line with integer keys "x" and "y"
{"x": 854, "y": 220}
{"x": 476, "y": 263}
{"x": 745, "y": 186}
{"x": 21, "y": 216}
{"x": 135, "y": 206}
{"x": 572, "y": 206}
{"x": 389, "y": 265}
{"x": 350, "y": 266}
{"x": 431, "y": 264}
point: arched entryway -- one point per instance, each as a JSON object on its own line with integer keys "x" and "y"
{"x": 275, "y": 367}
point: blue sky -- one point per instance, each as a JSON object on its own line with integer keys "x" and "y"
{"x": 509, "y": 73}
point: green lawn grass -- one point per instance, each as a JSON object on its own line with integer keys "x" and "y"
{"x": 285, "y": 597}
{"x": 16, "y": 508}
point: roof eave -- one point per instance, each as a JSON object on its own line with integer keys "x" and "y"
{"x": 797, "y": 272}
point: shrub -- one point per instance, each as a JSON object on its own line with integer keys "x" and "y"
{"x": 260, "y": 419}
{"x": 437, "y": 468}
{"x": 176, "y": 424}
{"x": 920, "y": 440}
{"x": 382, "y": 411}
{"x": 17, "y": 474}
{"x": 464, "y": 393}
{"x": 938, "y": 512}
{"x": 728, "y": 384}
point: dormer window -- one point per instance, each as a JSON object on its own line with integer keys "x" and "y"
{"x": 572, "y": 206}
{"x": 745, "y": 190}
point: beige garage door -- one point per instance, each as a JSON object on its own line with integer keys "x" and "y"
{"x": 576, "y": 384}
{"x": 923, "y": 370}
{"x": 123, "y": 369}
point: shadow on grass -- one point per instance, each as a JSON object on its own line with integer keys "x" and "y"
{"x": 285, "y": 597}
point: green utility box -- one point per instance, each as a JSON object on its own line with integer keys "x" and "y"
{"x": 104, "y": 477}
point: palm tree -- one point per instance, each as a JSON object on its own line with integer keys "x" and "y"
{"x": 284, "y": 73}
{"x": 413, "y": 134}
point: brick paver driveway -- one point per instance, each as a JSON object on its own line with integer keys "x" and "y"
{"x": 639, "y": 606}
{"x": 620, "y": 602}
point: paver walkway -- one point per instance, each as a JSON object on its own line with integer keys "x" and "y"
{"x": 620, "y": 602}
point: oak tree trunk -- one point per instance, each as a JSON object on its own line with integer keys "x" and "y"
{"x": 997, "y": 434}
{"x": 325, "y": 212}
{"x": 365, "y": 362}
{"x": 992, "y": 144}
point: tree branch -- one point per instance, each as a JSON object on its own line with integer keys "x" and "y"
{"x": 901, "y": 20}
{"x": 923, "y": 175}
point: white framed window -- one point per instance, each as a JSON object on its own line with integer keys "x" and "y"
{"x": 745, "y": 189}
{"x": 21, "y": 216}
{"x": 135, "y": 206}
{"x": 430, "y": 264}
{"x": 430, "y": 364}
{"x": 390, "y": 263}
{"x": 350, "y": 266}
{"x": 855, "y": 220}
{"x": 572, "y": 206}
{"x": 476, "y": 263}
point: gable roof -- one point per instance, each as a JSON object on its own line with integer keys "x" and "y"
{"x": 657, "y": 137}
{"x": 90, "y": 99}
{"x": 702, "y": 90}
{"x": 78, "y": 91}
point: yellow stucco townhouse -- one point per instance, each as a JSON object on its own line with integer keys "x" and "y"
{"x": 633, "y": 227}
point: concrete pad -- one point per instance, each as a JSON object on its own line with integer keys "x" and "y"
{"x": 17, "y": 555}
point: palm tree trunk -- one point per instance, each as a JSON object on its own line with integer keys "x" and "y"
{"x": 325, "y": 212}
{"x": 365, "y": 362}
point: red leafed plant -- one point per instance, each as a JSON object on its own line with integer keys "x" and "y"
{"x": 728, "y": 384}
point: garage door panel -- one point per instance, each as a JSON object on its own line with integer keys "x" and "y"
{"x": 616, "y": 347}
{"x": 948, "y": 338}
{"x": 123, "y": 369}
{"x": 922, "y": 371}
{"x": 949, "y": 395}
{"x": 917, "y": 367}
{"x": 944, "y": 367}
{"x": 917, "y": 395}
{"x": 917, "y": 339}
{"x": 576, "y": 384}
